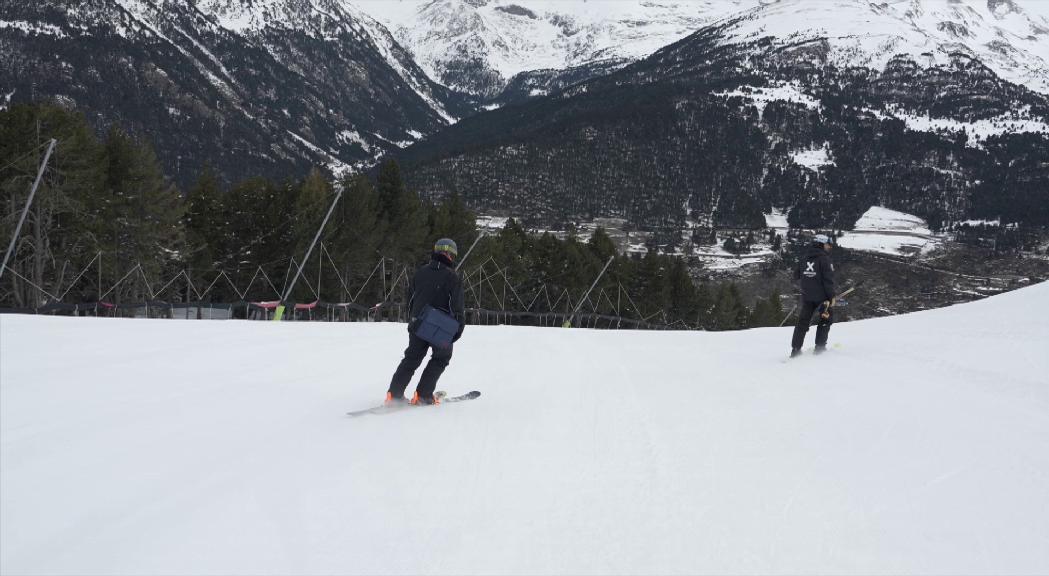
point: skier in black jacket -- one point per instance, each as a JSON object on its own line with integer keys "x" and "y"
{"x": 816, "y": 276}
{"x": 438, "y": 285}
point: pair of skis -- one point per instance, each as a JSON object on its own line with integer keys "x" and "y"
{"x": 829, "y": 303}
{"x": 398, "y": 406}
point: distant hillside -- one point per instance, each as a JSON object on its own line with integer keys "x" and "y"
{"x": 722, "y": 126}
{"x": 264, "y": 88}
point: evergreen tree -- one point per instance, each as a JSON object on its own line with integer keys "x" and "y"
{"x": 601, "y": 245}
{"x": 729, "y": 312}
{"x": 358, "y": 232}
{"x": 140, "y": 216}
{"x": 451, "y": 219}
{"x": 681, "y": 293}
{"x": 204, "y": 225}
{"x": 775, "y": 308}
{"x": 759, "y": 316}
{"x": 312, "y": 199}
{"x": 258, "y": 216}
{"x": 767, "y": 312}
{"x": 58, "y": 230}
{"x": 704, "y": 307}
{"x": 402, "y": 210}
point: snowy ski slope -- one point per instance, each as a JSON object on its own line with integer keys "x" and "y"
{"x": 920, "y": 445}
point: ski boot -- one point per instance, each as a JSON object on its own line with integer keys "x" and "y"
{"x": 421, "y": 401}
{"x": 392, "y": 400}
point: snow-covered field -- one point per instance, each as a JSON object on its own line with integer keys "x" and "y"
{"x": 890, "y": 232}
{"x": 814, "y": 158}
{"x": 777, "y": 220}
{"x": 920, "y": 445}
{"x": 715, "y": 257}
{"x": 782, "y": 92}
{"x": 1016, "y": 122}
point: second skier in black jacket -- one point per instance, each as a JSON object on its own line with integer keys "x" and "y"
{"x": 815, "y": 274}
{"x": 435, "y": 284}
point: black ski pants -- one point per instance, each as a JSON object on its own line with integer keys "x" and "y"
{"x": 413, "y": 357}
{"x": 805, "y": 318}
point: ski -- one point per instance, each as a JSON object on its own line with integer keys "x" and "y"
{"x": 389, "y": 408}
{"x": 381, "y": 409}
{"x": 468, "y": 396}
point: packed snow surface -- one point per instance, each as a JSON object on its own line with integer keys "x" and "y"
{"x": 920, "y": 445}
{"x": 890, "y": 232}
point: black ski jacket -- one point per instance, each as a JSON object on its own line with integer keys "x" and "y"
{"x": 816, "y": 275}
{"x": 438, "y": 285}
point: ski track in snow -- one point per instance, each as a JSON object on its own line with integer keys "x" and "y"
{"x": 921, "y": 444}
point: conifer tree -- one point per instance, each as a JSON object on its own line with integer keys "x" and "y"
{"x": 204, "y": 223}
{"x": 451, "y": 219}
{"x": 57, "y": 231}
{"x": 312, "y": 198}
{"x": 140, "y": 219}
{"x": 406, "y": 233}
{"x": 775, "y": 308}
{"x": 357, "y": 242}
{"x": 601, "y": 245}
{"x": 681, "y": 296}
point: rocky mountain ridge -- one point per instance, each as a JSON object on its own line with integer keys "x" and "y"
{"x": 730, "y": 123}
{"x": 479, "y": 46}
{"x": 254, "y": 87}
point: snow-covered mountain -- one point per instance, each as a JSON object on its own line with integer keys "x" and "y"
{"x": 317, "y": 19}
{"x": 150, "y": 447}
{"x": 270, "y": 87}
{"x": 253, "y": 87}
{"x": 477, "y": 46}
{"x": 1011, "y": 37}
{"x": 745, "y": 116}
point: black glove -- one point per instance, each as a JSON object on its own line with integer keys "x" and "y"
{"x": 458, "y": 333}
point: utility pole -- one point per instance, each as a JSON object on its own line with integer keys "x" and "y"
{"x": 25, "y": 211}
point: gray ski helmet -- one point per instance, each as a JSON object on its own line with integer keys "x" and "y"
{"x": 820, "y": 239}
{"x": 446, "y": 246}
